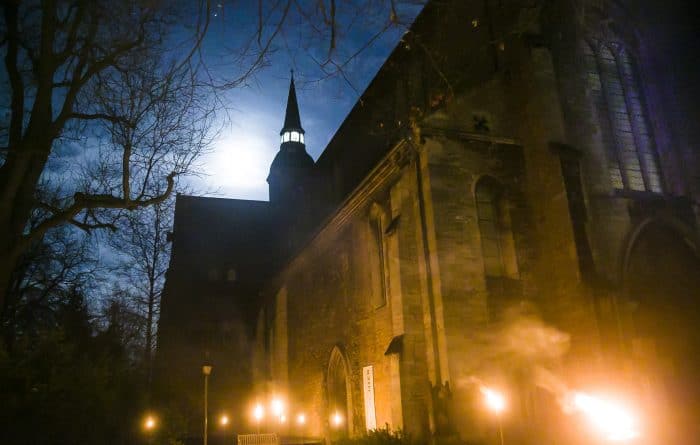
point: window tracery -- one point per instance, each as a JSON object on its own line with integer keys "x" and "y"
{"x": 626, "y": 134}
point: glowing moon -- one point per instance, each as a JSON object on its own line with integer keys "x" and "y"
{"x": 240, "y": 158}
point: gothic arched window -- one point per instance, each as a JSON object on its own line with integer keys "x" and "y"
{"x": 497, "y": 244}
{"x": 488, "y": 196}
{"x": 626, "y": 134}
{"x": 377, "y": 225}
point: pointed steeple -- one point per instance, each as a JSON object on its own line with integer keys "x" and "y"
{"x": 292, "y": 121}
{"x": 290, "y": 170}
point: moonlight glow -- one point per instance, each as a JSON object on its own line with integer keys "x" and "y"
{"x": 239, "y": 163}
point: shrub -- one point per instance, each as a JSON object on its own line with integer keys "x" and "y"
{"x": 380, "y": 436}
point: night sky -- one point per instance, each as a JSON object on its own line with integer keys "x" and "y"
{"x": 248, "y": 140}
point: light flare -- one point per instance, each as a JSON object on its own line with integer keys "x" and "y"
{"x": 495, "y": 400}
{"x": 337, "y": 419}
{"x": 258, "y": 412}
{"x": 609, "y": 418}
{"x": 149, "y": 423}
{"x": 277, "y": 406}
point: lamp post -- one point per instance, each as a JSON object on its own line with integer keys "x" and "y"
{"x": 278, "y": 412}
{"x": 206, "y": 370}
{"x": 258, "y": 413}
{"x": 149, "y": 426}
{"x": 495, "y": 402}
{"x": 301, "y": 421}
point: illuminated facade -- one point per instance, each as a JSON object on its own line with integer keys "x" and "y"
{"x": 514, "y": 204}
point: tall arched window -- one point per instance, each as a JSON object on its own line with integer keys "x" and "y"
{"x": 497, "y": 243}
{"x": 377, "y": 226}
{"x": 616, "y": 93}
{"x": 488, "y": 199}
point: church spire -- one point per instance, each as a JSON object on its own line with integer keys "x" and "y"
{"x": 291, "y": 168}
{"x": 292, "y": 121}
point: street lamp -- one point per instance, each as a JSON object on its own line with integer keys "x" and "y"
{"x": 496, "y": 402}
{"x": 258, "y": 414}
{"x": 206, "y": 370}
{"x": 149, "y": 426}
{"x": 277, "y": 407}
{"x": 149, "y": 423}
{"x": 223, "y": 420}
{"x": 337, "y": 419}
{"x": 301, "y": 419}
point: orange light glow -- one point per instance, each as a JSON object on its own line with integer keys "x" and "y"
{"x": 149, "y": 423}
{"x": 495, "y": 400}
{"x": 610, "y": 419}
{"x": 258, "y": 412}
{"x": 277, "y": 407}
{"x": 337, "y": 419}
{"x": 301, "y": 419}
{"x": 224, "y": 420}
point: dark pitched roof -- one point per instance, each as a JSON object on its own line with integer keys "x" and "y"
{"x": 216, "y": 232}
{"x": 410, "y": 79}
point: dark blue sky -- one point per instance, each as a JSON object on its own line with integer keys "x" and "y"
{"x": 238, "y": 165}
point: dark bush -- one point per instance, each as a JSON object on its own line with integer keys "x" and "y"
{"x": 380, "y": 436}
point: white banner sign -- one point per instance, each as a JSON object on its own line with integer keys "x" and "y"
{"x": 368, "y": 385}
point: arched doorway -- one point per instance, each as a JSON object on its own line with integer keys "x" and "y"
{"x": 339, "y": 395}
{"x": 662, "y": 283}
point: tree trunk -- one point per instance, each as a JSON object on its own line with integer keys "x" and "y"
{"x": 149, "y": 337}
{"x": 19, "y": 177}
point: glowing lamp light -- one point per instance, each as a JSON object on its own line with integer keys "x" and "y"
{"x": 283, "y": 418}
{"x": 223, "y": 420}
{"x": 495, "y": 401}
{"x": 277, "y": 407}
{"x": 337, "y": 419}
{"x": 258, "y": 412}
{"x": 610, "y": 419}
{"x": 149, "y": 423}
{"x": 301, "y": 419}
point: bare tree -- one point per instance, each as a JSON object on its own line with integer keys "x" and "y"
{"x": 123, "y": 83}
{"x": 59, "y": 263}
{"x": 144, "y": 251}
{"x": 76, "y": 68}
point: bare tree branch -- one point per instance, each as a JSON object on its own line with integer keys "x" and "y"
{"x": 84, "y": 202}
{"x": 97, "y": 116}
{"x": 16, "y": 83}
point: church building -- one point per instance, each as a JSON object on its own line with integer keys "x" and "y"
{"x": 513, "y": 205}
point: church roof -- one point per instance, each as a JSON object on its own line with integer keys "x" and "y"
{"x": 217, "y": 232}
{"x": 292, "y": 121}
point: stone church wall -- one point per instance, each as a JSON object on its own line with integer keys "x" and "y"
{"x": 397, "y": 278}
{"x": 330, "y": 303}
{"x": 521, "y": 115}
